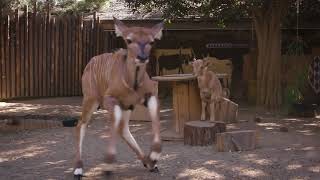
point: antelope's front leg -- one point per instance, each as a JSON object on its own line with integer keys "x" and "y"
{"x": 112, "y": 105}
{"x": 152, "y": 104}
{"x": 212, "y": 108}
{"x": 203, "y": 110}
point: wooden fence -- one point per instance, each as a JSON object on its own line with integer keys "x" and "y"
{"x": 43, "y": 55}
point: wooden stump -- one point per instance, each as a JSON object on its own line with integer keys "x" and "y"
{"x": 236, "y": 140}
{"x": 226, "y": 111}
{"x": 202, "y": 133}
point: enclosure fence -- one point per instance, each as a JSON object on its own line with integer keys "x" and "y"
{"x": 43, "y": 55}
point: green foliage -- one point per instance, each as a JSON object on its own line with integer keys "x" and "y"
{"x": 294, "y": 93}
{"x": 296, "y": 48}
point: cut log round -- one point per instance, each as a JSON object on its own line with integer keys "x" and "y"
{"x": 202, "y": 133}
{"x": 236, "y": 141}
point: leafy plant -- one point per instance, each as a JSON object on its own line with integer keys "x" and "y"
{"x": 294, "y": 93}
{"x": 296, "y": 47}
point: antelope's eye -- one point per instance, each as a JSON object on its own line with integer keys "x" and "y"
{"x": 129, "y": 41}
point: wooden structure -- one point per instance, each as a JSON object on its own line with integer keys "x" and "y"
{"x": 202, "y": 133}
{"x": 43, "y": 55}
{"x": 236, "y": 140}
{"x": 186, "y": 102}
{"x": 226, "y": 111}
{"x": 167, "y": 52}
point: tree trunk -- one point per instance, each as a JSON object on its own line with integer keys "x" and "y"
{"x": 268, "y": 30}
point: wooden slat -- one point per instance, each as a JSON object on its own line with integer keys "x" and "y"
{"x": 45, "y": 60}
{"x": 7, "y": 60}
{"x": 12, "y": 71}
{"x": 31, "y": 46}
{"x": 40, "y": 54}
{"x": 17, "y": 57}
{"x": 70, "y": 57}
{"x": 73, "y": 55}
{"x": 36, "y": 57}
{"x": 77, "y": 56}
{"x": 52, "y": 56}
{"x": 26, "y": 50}
{"x": 56, "y": 56}
{"x": 80, "y": 52}
{"x": 65, "y": 56}
{"x": 1, "y": 52}
{"x": 22, "y": 53}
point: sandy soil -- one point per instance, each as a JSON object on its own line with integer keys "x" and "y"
{"x": 48, "y": 153}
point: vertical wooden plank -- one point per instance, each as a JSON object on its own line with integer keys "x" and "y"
{"x": 22, "y": 54}
{"x": 31, "y": 46}
{"x": 40, "y": 54}
{"x": 61, "y": 58}
{"x": 36, "y": 56}
{"x": 26, "y": 52}
{"x": 17, "y": 56}
{"x": 70, "y": 56}
{"x": 52, "y": 37}
{"x": 73, "y": 55}
{"x": 65, "y": 56}
{"x": 6, "y": 87}
{"x": 12, "y": 56}
{"x": 76, "y": 67}
{"x": 194, "y": 101}
{"x": 45, "y": 60}
{"x": 1, "y": 52}
{"x": 80, "y": 51}
{"x": 84, "y": 49}
{"x": 56, "y": 56}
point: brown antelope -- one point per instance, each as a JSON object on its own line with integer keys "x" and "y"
{"x": 210, "y": 88}
{"x": 117, "y": 82}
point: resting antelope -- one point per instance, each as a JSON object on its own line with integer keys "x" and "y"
{"x": 210, "y": 88}
{"x": 117, "y": 82}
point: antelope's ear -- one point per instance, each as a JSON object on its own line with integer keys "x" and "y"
{"x": 119, "y": 27}
{"x": 157, "y": 30}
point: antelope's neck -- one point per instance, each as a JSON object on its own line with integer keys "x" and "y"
{"x": 134, "y": 75}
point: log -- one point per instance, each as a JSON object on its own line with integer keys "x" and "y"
{"x": 226, "y": 111}
{"x": 236, "y": 141}
{"x": 202, "y": 133}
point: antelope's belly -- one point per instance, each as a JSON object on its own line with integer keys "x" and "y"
{"x": 130, "y": 99}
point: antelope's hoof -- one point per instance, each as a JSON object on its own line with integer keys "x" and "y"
{"x": 145, "y": 165}
{"x": 108, "y": 173}
{"x": 154, "y": 170}
{"x": 78, "y": 177}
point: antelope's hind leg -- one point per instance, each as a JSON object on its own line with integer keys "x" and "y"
{"x": 127, "y": 136}
{"x": 89, "y": 105}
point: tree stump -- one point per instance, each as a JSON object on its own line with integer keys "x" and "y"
{"x": 236, "y": 140}
{"x": 202, "y": 133}
{"x": 226, "y": 111}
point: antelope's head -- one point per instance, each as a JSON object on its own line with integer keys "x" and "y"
{"x": 199, "y": 65}
{"x": 139, "y": 40}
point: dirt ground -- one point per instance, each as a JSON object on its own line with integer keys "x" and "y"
{"x": 48, "y": 153}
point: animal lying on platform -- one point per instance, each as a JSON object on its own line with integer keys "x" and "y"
{"x": 210, "y": 87}
{"x": 117, "y": 82}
